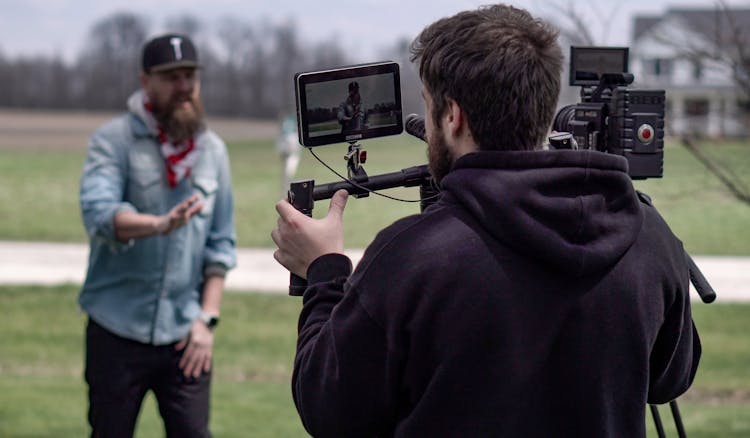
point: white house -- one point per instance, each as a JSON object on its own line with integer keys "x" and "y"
{"x": 673, "y": 52}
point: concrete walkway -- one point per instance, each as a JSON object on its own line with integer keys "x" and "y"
{"x": 58, "y": 263}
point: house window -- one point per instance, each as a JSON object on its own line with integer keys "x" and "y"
{"x": 697, "y": 69}
{"x": 743, "y": 105}
{"x": 659, "y": 67}
{"x": 696, "y": 107}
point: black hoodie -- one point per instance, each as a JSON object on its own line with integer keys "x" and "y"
{"x": 537, "y": 297}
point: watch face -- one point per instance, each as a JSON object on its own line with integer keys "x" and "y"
{"x": 210, "y": 320}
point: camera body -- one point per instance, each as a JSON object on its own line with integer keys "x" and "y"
{"x": 612, "y": 117}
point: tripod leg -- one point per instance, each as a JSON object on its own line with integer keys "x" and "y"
{"x": 657, "y": 421}
{"x": 677, "y": 419}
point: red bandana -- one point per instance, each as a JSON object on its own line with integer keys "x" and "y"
{"x": 179, "y": 158}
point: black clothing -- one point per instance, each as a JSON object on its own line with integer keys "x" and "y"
{"x": 537, "y": 297}
{"x": 120, "y": 371}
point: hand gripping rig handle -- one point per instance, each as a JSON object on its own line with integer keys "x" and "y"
{"x": 303, "y": 194}
{"x": 300, "y": 195}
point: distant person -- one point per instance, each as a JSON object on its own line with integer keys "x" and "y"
{"x": 287, "y": 144}
{"x": 540, "y": 296}
{"x": 157, "y": 206}
{"x": 350, "y": 114}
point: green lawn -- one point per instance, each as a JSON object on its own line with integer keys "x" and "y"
{"x": 42, "y": 393}
{"x": 39, "y": 193}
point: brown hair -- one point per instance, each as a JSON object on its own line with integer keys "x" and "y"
{"x": 501, "y": 66}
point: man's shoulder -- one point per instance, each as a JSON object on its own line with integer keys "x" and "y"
{"x": 419, "y": 233}
{"x": 120, "y": 130}
{"x": 115, "y": 125}
{"x": 210, "y": 139}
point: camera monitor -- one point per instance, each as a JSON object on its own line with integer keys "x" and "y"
{"x": 588, "y": 64}
{"x": 348, "y": 104}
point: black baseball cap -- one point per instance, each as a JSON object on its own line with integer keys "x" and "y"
{"x": 169, "y": 52}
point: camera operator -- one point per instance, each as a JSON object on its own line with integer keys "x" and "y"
{"x": 538, "y": 297}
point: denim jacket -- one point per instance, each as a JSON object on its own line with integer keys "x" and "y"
{"x": 149, "y": 289}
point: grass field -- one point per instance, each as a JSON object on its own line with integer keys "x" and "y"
{"x": 42, "y": 393}
{"x": 39, "y": 193}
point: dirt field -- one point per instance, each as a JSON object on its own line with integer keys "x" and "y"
{"x": 45, "y": 130}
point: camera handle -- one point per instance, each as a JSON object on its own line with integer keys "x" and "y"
{"x": 303, "y": 194}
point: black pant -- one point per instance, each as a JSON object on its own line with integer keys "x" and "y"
{"x": 120, "y": 371}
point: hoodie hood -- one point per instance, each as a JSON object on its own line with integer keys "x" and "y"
{"x": 148, "y": 124}
{"x": 575, "y": 210}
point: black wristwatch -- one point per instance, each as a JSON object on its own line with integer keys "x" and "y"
{"x": 210, "y": 320}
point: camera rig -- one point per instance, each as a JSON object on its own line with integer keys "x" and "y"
{"x": 303, "y": 194}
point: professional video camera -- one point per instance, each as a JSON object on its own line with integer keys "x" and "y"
{"x": 612, "y": 117}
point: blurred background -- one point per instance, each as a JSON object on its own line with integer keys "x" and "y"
{"x": 66, "y": 66}
{"x": 84, "y": 55}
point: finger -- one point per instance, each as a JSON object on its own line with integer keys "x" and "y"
{"x": 198, "y": 366}
{"x": 338, "y": 203}
{"x": 184, "y": 360}
{"x": 275, "y": 236}
{"x": 192, "y": 199}
{"x": 279, "y": 257}
{"x": 192, "y": 211}
{"x": 189, "y": 369}
{"x": 286, "y": 210}
{"x": 180, "y": 345}
{"x": 185, "y": 204}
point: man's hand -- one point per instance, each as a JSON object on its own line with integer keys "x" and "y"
{"x": 302, "y": 239}
{"x": 131, "y": 225}
{"x": 179, "y": 215}
{"x": 198, "y": 347}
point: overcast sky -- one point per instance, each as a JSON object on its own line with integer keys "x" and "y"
{"x": 45, "y": 27}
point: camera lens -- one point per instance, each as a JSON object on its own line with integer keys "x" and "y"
{"x": 563, "y": 118}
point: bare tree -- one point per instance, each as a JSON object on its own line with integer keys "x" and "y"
{"x": 579, "y": 29}
{"x": 111, "y": 59}
{"x": 240, "y": 89}
{"x": 184, "y": 24}
{"x": 411, "y": 84}
{"x": 719, "y": 38}
{"x": 288, "y": 60}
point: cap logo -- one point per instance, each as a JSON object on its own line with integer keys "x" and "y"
{"x": 177, "y": 46}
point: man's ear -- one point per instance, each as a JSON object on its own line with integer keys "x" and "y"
{"x": 144, "y": 80}
{"x": 455, "y": 119}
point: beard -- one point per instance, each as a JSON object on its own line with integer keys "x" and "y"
{"x": 439, "y": 157}
{"x": 180, "y": 122}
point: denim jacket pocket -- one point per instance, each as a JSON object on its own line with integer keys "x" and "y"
{"x": 207, "y": 188}
{"x": 146, "y": 191}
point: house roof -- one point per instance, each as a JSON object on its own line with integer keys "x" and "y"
{"x": 713, "y": 23}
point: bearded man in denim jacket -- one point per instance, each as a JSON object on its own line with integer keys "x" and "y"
{"x": 157, "y": 205}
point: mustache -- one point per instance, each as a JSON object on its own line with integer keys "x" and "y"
{"x": 179, "y": 100}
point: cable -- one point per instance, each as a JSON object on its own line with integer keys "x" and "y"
{"x": 361, "y": 187}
